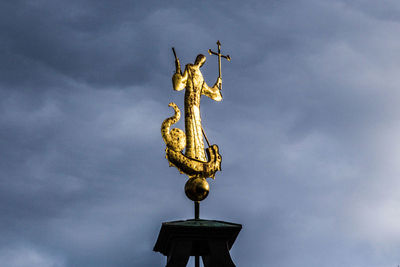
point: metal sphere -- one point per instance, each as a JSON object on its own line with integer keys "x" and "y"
{"x": 197, "y": 189}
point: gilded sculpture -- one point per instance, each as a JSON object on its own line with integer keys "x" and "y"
{"x": 196, "y": 162}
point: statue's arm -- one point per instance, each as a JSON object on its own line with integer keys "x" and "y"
{"x": 212, "y": 92}
{"x": 179, "y": 80}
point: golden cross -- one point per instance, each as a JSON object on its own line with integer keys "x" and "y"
{"x": 219, "y": 58}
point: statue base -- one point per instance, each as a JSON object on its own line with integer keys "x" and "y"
{"x": 212, "y": 240}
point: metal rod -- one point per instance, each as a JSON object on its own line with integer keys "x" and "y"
{"x": 204, "y": 133}
{"x": 173, "y": 50}
{"x": 197, "y": 217}
{"x": 219, "y": 63}
{"x": 196, "y": 210}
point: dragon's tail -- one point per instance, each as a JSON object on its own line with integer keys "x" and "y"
{"x": 165, "y": 126}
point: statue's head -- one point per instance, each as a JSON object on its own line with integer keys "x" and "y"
{"x": 200, "y": 59}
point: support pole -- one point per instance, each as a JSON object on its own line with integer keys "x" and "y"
{"x": 196, "y": 210}
{"x": 196, "y": 217}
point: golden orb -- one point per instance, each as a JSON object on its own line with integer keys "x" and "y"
{"x": 197, "y": 189}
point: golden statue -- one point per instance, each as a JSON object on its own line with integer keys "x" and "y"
{"x": 193, "y": 162}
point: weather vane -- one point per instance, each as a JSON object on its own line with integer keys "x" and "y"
{"x": 209, "y": 239}
{"x": 193, "y": 162}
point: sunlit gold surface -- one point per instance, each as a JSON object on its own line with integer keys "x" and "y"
{"x": 192, "y": 79}
{"x": 193, "y": 161}
{"x": 197, "y": 189}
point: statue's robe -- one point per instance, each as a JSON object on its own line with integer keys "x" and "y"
{"x": 193, "y": 81}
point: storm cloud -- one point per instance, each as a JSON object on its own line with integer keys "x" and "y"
{"x": 307, "y": 129}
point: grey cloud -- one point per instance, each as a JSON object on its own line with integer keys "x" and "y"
{"x": 307, "y": 130}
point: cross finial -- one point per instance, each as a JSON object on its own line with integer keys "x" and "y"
{"x": 219, "y": 57}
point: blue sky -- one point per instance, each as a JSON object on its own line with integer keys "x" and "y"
{"x": 307, "y": 129}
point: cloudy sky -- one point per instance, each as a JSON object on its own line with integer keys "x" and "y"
{"x": 308, "y": 129}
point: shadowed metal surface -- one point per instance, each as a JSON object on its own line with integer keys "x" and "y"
{"x": 210, "y": 239}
